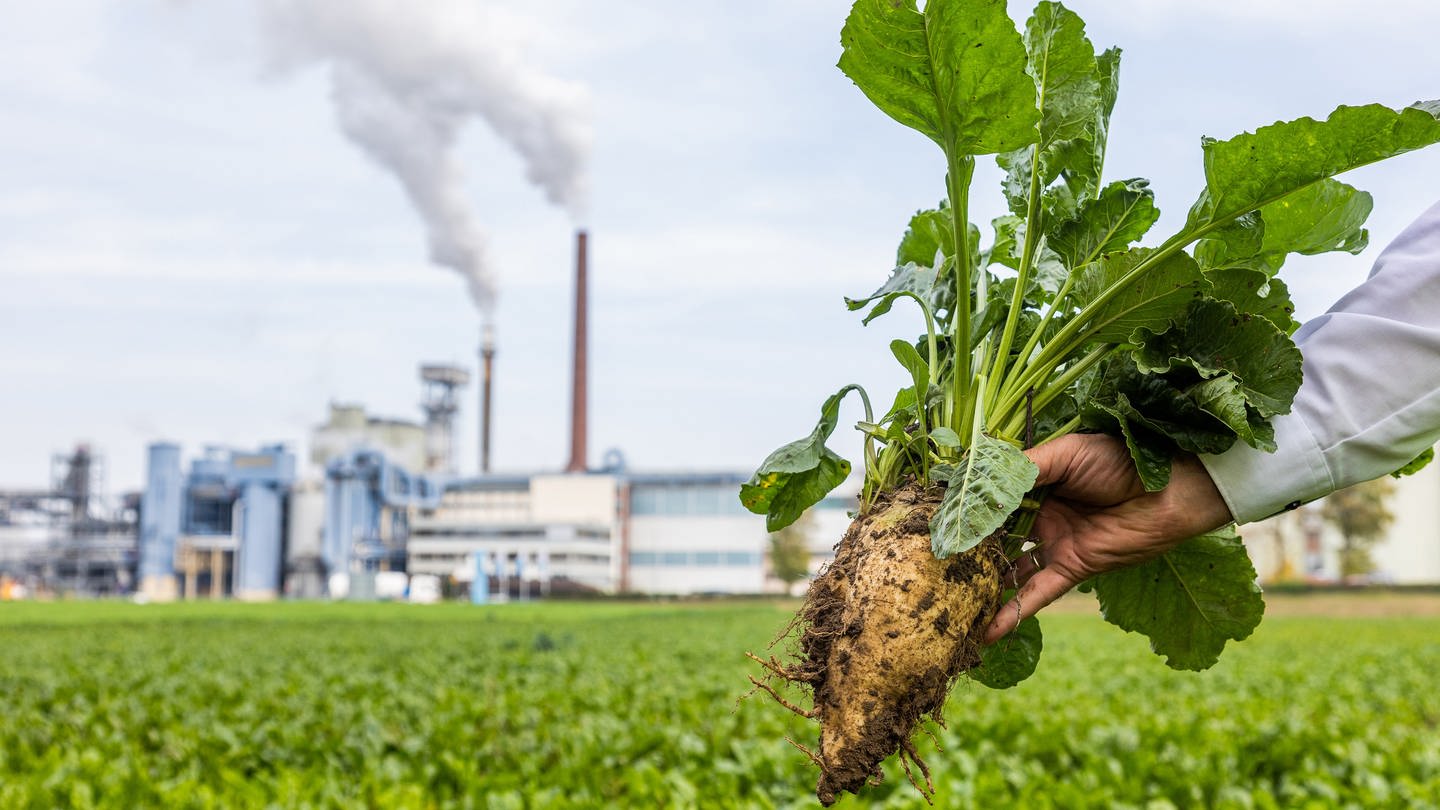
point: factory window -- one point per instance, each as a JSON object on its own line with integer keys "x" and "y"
{"x": 712, "y": 500}
{"x": 209, "y": 516}
{"x": 642, "y": 501}
{"x": 675, "y": 501}
{"x": 707, "y": 559}
{"x": 681, "y": 499}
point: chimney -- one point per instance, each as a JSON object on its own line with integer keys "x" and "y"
{"x": 578, "y": 397}
{"x": 487, "y": 364}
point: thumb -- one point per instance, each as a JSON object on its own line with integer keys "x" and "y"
{"x": 1054, "y": 458}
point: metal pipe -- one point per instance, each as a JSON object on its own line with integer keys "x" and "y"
{"x": 579, "y": 400}
{"x": 487, "y": 362}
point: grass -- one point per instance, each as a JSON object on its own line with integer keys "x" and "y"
{"x": 634, "y": 705}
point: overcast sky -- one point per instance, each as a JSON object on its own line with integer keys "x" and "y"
{"x": 190, "y": 249}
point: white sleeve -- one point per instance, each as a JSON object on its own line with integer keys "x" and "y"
{"x": 1370, "y": 400}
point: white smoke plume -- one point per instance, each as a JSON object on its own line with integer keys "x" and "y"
{"x": 407, "y": 76}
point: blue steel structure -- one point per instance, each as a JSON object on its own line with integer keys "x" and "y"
{"x": 367, "y": 504}
{"x": 262, "y": 481}
{"x": 160, "y": 511}
{"x": 227, "y": 493}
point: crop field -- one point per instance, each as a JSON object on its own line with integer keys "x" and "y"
{"x": 634, "y": 705}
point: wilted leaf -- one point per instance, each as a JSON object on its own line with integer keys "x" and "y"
{"x": 908, "y": 278}
{"x": 800, "y": 474}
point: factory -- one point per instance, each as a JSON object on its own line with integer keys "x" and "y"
{"x": 378, "y": 500}
{"x": 377, "y": 509}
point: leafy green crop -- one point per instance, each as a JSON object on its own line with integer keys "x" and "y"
{"x": 1064, "y": 322}
{"x": 553, "y": 705}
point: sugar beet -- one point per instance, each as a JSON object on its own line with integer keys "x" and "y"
{"x": 886, "y": 628}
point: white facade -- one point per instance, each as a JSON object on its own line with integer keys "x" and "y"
{"x": 1410, "y": 553}
{"x": 688, "y": 534}
{"x": 535, "y": 534}
{"x": 688, "y": 554}
{"x": 1300, "y": 546}
{"x": 673, "y": 534}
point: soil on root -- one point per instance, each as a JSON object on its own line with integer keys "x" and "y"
{"x": 885, "y": 629}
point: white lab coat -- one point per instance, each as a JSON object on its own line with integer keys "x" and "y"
{"x": 1370, "y": 400}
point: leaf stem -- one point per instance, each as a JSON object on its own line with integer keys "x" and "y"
{"x": 1022, "y": 278}
{"x": 1022, "y": 360}
{"x": 1065, "y": 429}
{"x": 961, "y": 171}
{"x": 1046, "y": 392}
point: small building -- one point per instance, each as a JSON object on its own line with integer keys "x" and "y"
{"x": 529, "y": 534}
{"x": 687, "y": 533}
{"x": 615, "y": 532}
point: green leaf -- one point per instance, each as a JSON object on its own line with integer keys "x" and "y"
{"x": 1161, "y": 404}
{"x": 919, "y": 370}
{"x": 983, "y": 490}
{"x": 1224, "y": 398}
{"x": 1189, "y": 602}
{"x": 1253, "y": 170}
{"x": 1012, "y": 659}
{"x": 955, "y": 73}
{"x": 1328, "y": 216}
{"x": 1009, "y": 236}
{"x": 1237, "y": 243}
{"x": 908, "y": 278}
{"x": 1155, "y": 301}
{"x": 1323, "y": 217}
{"x": 945, "y": 437}
{"x": 1120, "y": 216}
{"x": 1077, "y": 92}
{"x": 1215, "y": 339}
{"x": 1150, "y": 450}
{"x": 1047, "y": 275}
{"x": 1416, "y": 464}
{"x": 800, "y": 474}
{"x": 930, "y": 235}
{"x": 1255, "y": 293}
{"x": 1085, "y": 160}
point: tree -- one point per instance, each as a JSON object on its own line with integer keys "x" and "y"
{"x": 1361, "y": 515}
{"x": 790, "y": 551}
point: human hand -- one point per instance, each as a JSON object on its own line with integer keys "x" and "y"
{"x": 1098, "y": 517}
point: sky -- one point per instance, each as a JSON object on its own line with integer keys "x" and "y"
{"x": 192, "y": 250}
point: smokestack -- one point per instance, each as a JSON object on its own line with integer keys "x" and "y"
{"x": 487, "y": 362}
{"x": 579, "y": 400}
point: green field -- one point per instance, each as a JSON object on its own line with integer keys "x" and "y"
{"x": 634, "y": 705}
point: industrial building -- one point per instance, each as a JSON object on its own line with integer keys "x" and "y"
{"x": 246, "y": 524}
{"x": 380, "y": 499}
